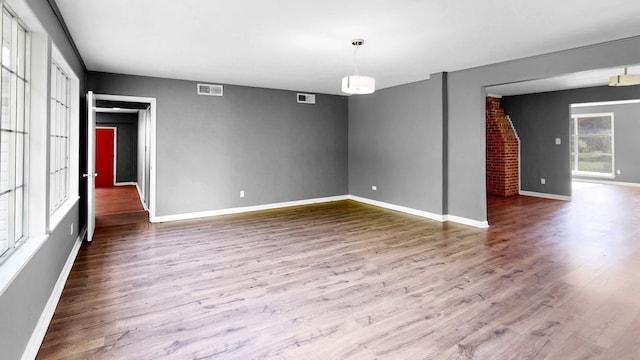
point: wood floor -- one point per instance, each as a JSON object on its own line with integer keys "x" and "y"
{"x": 548, "y": 280}
{"x": 119, "y": 205}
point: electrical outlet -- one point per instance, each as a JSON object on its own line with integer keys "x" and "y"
{"x": 618, "y": 172}
{"x": 374, "y": 188}
{"x": 558, "y": 141}
{"x": 241, "y": 193}
{"x": 543, "y": 181}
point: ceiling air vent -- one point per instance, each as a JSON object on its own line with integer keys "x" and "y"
{"x": 306, "y": 98}
{"x": 210, "y": 89}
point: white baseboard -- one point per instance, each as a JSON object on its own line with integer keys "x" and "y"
{"x": 404, "y": 209}
{"x": 425, "y": 214}
{"x": 607, "y": 182}
{"x": 243, "y": 209}
{"x": 125, "y": 183}
{"x": 545, "y": 195}
{"x": 144, "y": 206}
{"x": 40, "y": 330}
{"x": 466, "y": 221}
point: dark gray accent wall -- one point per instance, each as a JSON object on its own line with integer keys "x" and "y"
{"x": 253, "y": 139}
{"x": 396, "y": 144}
{"x": 23, "y": 301}
{"x": 539, "y": 119}
{"x": 466, "y": 96}
{"x": 626, "y": 134}
{"x": 126, "y": 143}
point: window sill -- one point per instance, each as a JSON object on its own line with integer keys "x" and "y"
{"x": 593, "y": 175}
{"x": 61, "y": 212}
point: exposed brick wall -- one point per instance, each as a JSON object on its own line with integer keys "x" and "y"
{"x": 502, "y": 151}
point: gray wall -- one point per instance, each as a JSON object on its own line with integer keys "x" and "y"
{"x": 466, "y": 98}
{"x": 539, "y": 119}
{"x": 396, "y": 144}
{"x": 253, "y": 139}
{"x": 127, "y": 143}
{"x": 626, "y": 133}
{"x": 23, "y": 301}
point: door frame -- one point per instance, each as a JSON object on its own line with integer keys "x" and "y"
{"x": 115, "y": 150}
{"x": 152, "y": 142}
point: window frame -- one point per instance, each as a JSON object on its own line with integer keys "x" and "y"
{"x": 17, "y": 132}
{"x": 55, "y": 216}
{"x": 59, "y": 138}
{"x": 575, "y": 149}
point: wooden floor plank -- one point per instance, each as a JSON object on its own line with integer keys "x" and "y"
{"x": 548, "y": 280}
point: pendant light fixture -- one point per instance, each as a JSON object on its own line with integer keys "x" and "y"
{"x": 358, "y": 84}
{"x": 625, "y": 79}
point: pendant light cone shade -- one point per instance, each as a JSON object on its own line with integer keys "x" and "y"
{"x": 358, "y": 84}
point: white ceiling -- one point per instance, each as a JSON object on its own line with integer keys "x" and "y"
{"x": 306, "y": 45}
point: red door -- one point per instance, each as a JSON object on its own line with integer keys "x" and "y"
{"x": 104, "y": 157}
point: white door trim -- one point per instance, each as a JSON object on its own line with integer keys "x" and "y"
{"x": 151, "y": 145}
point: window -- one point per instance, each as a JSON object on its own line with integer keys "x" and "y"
{"x": 592, "y": 144}
{"x": 59, "y": 139}
{"x": 13, "y": 130}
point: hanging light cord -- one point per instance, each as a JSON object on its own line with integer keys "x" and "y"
{"x": 355, "y": 66}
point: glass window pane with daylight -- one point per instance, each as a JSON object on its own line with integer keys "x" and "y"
{"x": 59, "y": 138}
{"x": 592, "y": 144}
{"x": 13, "y": 131}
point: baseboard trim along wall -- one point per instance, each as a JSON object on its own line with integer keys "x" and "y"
{"x": 607, "y": 182}
{"x": 33, "y": 346}
{"x": 465, "y": 221}
{"x": 545, "y": 195}
{"x": 421, "y": 213}
{"x": 201, "y": 214}
{"x": 425, "y": 214}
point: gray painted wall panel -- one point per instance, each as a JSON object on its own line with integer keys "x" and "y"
{"x": 23, "y": 301}
{"x": 539, "y": 119}
{"x": 127, "y": 143}
{"x": 257, "y": 140}
{"x": 395, "y": 143}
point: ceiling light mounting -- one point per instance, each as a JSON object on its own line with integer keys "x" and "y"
{"x": 625, "y": 79}
{"x": 358, "y": 84}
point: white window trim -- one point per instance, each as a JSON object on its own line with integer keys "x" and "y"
{"x": 613, "y": 147}
{"x": 56, "y": 217}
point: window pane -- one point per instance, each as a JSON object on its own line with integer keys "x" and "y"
{"x": 6, "y": 39}
{"x": 4, "y": 161}
{"x": 20, "y": 118}
{"x": 5, "y": 88}
{"x": 594, "y": 141}
{"x": 19, "y": 160}
{"x": 22, "y": 53}
{"x": 4, "y": 223}
{"x": 19, "y": 230}
{"x": 595, "y": 144}
{"x": 595, "y": 162}
{"x": 594, "y": 126}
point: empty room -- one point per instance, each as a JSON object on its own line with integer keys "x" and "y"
{"x": 319, "y": 180}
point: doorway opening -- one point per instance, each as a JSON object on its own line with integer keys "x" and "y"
{"x": 124, "y": 159}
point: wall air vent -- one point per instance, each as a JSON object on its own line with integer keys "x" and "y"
{"x": 306, "y": 98}
{"x": 210, "y": 89}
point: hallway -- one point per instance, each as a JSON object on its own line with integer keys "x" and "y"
{"x": 119, "y": 205}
